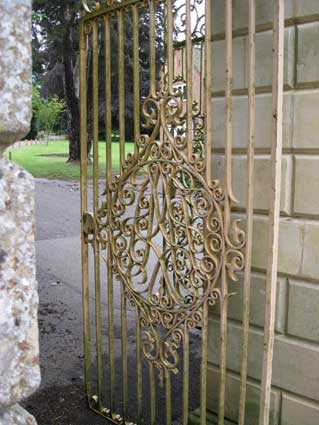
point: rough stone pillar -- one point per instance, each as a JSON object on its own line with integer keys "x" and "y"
{"x": 19, "y": 349}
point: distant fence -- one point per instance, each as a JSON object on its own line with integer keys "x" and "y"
{"x": 42, "y": 140}
{"x": 51, "y": 137}
{"x": 27, "y": 143}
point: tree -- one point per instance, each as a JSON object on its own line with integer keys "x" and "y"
{"x": 55, "y": 55}
{"x": 144, "y": 65}
{"x": 46, "y": 113}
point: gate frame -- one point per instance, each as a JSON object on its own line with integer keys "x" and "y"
{"x": 274, "y": 211}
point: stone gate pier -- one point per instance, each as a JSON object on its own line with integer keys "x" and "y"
{"x": 19, "y": 349}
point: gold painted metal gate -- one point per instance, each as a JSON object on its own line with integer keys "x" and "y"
{"x": 161, "y": 238}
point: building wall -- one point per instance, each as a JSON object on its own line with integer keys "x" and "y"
{"x": 295, "y": 392}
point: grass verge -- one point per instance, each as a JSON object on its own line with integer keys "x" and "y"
{"x": 49, "y": 161}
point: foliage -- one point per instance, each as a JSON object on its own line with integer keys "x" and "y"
{"x": 48, "y": 161}
{"x": 47, "y": 111}
{"x": 50, "y": 23}
{"x": 56, "y": 56}
{"x": 33, "y": 133}
{"x": 144, "y": 65}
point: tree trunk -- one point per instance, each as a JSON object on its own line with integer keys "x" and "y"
{"x": 71, "y": 99}
{"x": 73, "y": 104}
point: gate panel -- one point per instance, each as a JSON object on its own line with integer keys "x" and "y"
{"x": 161, "y": 246}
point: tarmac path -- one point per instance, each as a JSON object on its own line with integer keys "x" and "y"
{"x": 61, "y": 398}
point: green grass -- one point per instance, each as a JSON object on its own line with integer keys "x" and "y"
{"x": 54, "y": 167}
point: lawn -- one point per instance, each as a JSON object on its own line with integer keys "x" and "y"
{"x": 49, "y": 160}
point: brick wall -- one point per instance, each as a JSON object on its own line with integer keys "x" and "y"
{"x": 295, "y": 393}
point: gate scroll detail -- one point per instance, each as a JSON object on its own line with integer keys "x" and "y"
{"x": 189, "y": 220}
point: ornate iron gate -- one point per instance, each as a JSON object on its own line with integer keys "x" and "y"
{"x": 161, "y": 225}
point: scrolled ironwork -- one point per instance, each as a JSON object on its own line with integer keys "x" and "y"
{"x": 168, "y": 236}
{"x": 87, "y": 8}
{"x": 198, "y": 18}
{"x": 163, "y": 226}
{"x": 97, "y": 5}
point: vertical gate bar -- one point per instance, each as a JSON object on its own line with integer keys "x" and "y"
{"x": 152, "y": 49}
{"x": 223, "y": 332}
{"x": 169, "y": 38}
{"x": 274, "y": 210}
{"x": 186, "y": 377}
{"x": 152, "y": 394}
{"x": 136, "y": 77}
{"x": 124, "y": 351}
{"x": 170, "y": 49}
{"x": 96, "y": 244}
{"x": 189, "y": 79}
{"x": 95, "y": 88}
{"x": 139, "y": 370}
{"x": 136, "y": 85}
{"x": 203, "y": 373}
{"x": 121, "y": 94}
{"x": 108, "y": 96}
{"x": 228, "y": 197}
{"x": 202, "y": 91}
{"x": 168, "y": 397}
{"x": 121, "y": 86}
{"x": 84, "y": 208}
{"x": 229, "y": 99}
{"x": 208, "y": 88}
{"x": 250, "y": 207}
{"x": 108, "y": 115}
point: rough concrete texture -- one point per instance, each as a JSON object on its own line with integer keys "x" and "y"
{"x": 19, "y": 351}
{"x": 15, "y": 67}
{"x": 16, "y": 416}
